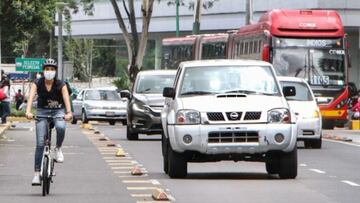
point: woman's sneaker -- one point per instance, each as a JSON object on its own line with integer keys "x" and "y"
{"x": 36, "y": 180}
{"x": 59, "y": 157}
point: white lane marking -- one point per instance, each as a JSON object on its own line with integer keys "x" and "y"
{"x": 121, "y": 167}
{"x": 118, "y": 160}
{"x": 350, "y": 183}
{"x": 123, "y": 164}
{"x": 131, "y": 176}
{"x": 342, "y": 142}
{"x": 155, "y": 182}
{"x": 303, "y": 165}
{"x": 317, "y": 171}
{"x": 137, "y": 181}
{"x": 141, "y": 188}
{"x": 141, "y": 195}
{"x": 126, "y": 172}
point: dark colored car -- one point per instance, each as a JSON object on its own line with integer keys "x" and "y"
{"x": 146, "y": 102}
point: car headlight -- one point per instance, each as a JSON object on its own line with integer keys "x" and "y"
{"x": 279, "y": 116}
{"x": 188, "y": 117}
{"x": 142, "y": 108}
{"x": 89, "y": 107}
{"x": 311, "y": 114}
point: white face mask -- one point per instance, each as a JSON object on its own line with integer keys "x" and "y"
{"x": 49, "y": 75}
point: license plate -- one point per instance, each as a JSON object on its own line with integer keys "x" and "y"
{"x": 110, "y": 113}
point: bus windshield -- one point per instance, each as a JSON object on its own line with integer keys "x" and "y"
{"x": 319, "y": 62}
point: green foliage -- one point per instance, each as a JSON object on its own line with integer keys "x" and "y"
{"x": 191, "y": 4}
{"x": 81, "y": 52}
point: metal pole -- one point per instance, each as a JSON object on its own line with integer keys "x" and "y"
{"x": 177, "y": 18}
{"x": 60, "y": 6}
{"x": 197, "y": 14}
{"x": 249, "y": 12}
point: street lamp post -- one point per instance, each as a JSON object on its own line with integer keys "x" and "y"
{"x": 177, "y": 19}
{"x": 60, "y": 8}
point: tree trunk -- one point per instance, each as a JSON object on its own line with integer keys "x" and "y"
{"x": 136, "y": 48}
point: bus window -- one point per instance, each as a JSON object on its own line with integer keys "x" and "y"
{"x": 215, "y": 50}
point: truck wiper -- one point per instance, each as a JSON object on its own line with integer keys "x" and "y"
{"x": 242, "y": 91}
{"x": 198, "y": 92}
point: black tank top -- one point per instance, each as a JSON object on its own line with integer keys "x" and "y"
{"x": 49, "y": 99}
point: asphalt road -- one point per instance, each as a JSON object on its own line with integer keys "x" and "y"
{"x": 330, "y": 174}
{"x": 92, "y": 173}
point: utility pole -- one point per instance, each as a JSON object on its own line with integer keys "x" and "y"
{"x": 249, "y": 12}
{"x": 60, "y": 8}
{"x": 197, "y": 14}
{"x": 177, "y": 18}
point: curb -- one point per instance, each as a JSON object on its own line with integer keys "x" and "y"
{"x": 3, "y": 128}
{"x": 18, "y": 119}
{"x": 337, "y": 138}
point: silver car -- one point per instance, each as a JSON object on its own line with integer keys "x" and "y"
{"x": 99, "y": 105}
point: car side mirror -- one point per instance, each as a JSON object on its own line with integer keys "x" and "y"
{"x": 169, "y": 92}
{"x": 289, "y": 91}
{"x": 125, "y": 94}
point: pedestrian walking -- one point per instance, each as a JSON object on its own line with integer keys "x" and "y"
{"x": 5, "y": 102}
{"x": 19, "y": 99}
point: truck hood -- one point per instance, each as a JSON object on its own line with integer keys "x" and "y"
{"x": 214, "y": 103}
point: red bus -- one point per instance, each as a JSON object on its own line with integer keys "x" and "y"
{"x": 194, "y": 47}
{"x": 303, "y": 43}
{"x": 178, "y": 49}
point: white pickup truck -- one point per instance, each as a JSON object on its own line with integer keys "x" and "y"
{"x": 228, "y": 110}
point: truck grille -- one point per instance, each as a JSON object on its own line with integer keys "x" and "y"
{"x": 233, "y": 137}
{"x": 215, "y": 116}
{"x": 233, "y": 116}
{"x": 252, "y": 115}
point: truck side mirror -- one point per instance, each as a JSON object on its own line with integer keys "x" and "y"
{"x": 289, "y": 91}
{"x": 169, "y": 92}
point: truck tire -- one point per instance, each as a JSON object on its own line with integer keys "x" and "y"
{"x": 177, "y": 164}
{"x": 288, "y": 164}
{"x": 131, "y": 135}
{"x": 272, "y": 163}
{"x": 164, "y": 144}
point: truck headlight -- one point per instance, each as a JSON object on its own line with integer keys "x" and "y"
{"x": 188, "y": 117}
{"x": 279, "y": 116}
{"x": 311, "y": 114}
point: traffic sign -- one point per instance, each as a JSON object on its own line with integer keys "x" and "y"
{"x": 29, "y": 64}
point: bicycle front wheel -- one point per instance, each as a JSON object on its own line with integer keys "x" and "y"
{"x": 45, "y": 176}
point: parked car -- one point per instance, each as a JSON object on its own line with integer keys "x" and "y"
{"x": 146, "y": 102}
{"x": 99, "y": 105}
{"x": 228, "y": 110}
{"x": 306, "y": 110}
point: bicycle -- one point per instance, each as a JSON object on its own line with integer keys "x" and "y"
{"x": 48, "y": 161}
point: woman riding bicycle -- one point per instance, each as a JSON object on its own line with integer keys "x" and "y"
{"x": 53, "y": 100}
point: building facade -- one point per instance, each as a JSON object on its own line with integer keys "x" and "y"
{"x": 224, "y": 15}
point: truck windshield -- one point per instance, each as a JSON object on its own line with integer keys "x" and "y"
{"x": 229, "y": 79}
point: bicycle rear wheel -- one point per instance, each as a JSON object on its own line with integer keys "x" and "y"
{"x": 45, "y": 178}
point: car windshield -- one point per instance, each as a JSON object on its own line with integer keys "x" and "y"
{"x": 303, "y": 93}
{"x": 154, "y": 84}
{"x": 319, "y": 62}
{"x": 229, "y": 79}
{"x": 107, "y": 95}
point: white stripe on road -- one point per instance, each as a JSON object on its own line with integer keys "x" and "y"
{"x": 141, "y": 188}
{"x": 303, "y": 165}
{"x": 131, "y": 176}
{"x": 141, "y": 195}
{"x": 350, "y": 183}
{"x": 317, "y": 171}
